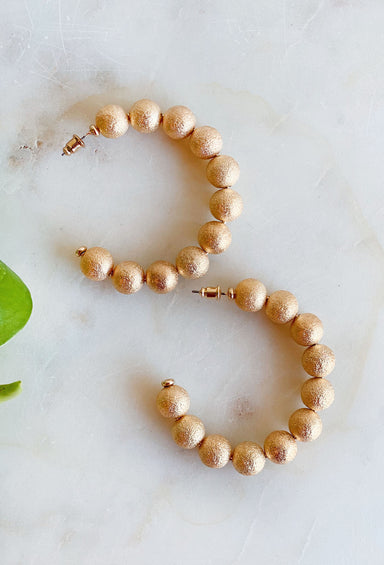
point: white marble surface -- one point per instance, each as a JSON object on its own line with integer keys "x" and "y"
{"x": 88, "y": 472}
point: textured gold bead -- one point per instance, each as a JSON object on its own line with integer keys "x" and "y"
{"x": 307, "y": 329}
{"x": 192, "y": 262}
{"x": 145, "y": 116}
{"x": 250, "y": 295}
{"x": 226, "y": 205}
{"x": 173, "y": 401}
{"x": 248, "y": 458}
{"x": 188, "y": 432}
{"x": 112, "y": 121}
{"x": 178, "y": 122}
{"x": 214, "y": 237}
{"x": 162, "y": 277}
{"x": 281, "y": 307}
{"x": 305, "y": 424}
{"x": 318, "y": 360}
{"x": 96, "y": 263}
{"x": 223, "y": 171}
{"x": 317, "y": 393}
{"x": 128, "y": 277}
{"x": 215, "y": 451}
{"x": 280, "y": 447}
{"x": 205, "y": 142}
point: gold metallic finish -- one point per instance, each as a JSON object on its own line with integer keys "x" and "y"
{"x": 192, "y": 262}
{"x": 205, "y": 142}
{"x": 93, "y": 130}
{"x": 231, "y": 293}
{"x": 305, "y": 424}
{"x": 128, "y": 277}
{"x": 215, "y": 292}
{"x": 145, "y": 116}
{"x": 162, "y": 277}
{"x": 280, "y": 447}
{"x": 73, "y": 145}
{"x": 80, "y": 251}
{"x": 226, "y": 205}
{"x": 96, "y": 263}
{"x": 112, "y": 121}
{"x": 317, "y": 393}
{"x": 167, "y": 382}
{"x": 173, "y": 401}
{"x": 251, "y": 295}
{"x": 223, "y": 171}
{"x": 248, "y": 458}
{"x": 178, "y": 122}
{"x": 188, "y": 431}
{"x": 214, "y": 237}
{"x": 318, "y": 360}
{"x": 215, "y": 451}
{"x": 306, "y": 329}
{"x": 281, "y": 307}
{"x": 211, "y": 292}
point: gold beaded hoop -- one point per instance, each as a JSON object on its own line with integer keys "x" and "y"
{"x": 317, "y": 393}
{"x": 226, "y": 204}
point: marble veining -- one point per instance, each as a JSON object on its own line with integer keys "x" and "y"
{"x": 89, "y": 474}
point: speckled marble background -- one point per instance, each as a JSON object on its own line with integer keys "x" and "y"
{"x": 89, "y": 474}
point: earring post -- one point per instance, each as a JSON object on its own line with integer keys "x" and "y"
{"x": 214, "y": 292}
{"x": 77, "y": 142}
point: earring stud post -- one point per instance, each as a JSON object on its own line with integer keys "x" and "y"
{"x": 215, "y": 292}
{"x": 77, "y": 142}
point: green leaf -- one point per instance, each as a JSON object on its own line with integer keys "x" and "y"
{"x": 9, "y": 391}
{"x": 15, "y": 303}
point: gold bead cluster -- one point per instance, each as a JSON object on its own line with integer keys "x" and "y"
{"x": 250, "y": 295}
{"x": 214, "y": 237}
{"x": 317, "y": 393}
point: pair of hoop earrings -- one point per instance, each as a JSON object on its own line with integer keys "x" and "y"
{"x": 250, "y": 295}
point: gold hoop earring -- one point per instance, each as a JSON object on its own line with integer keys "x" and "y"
{"x": 317, "y": 393}
{"x": 222, "y": 171}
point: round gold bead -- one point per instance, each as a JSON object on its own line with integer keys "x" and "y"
{"x": 317, "y": 393}
{"x": 307, "y": 329}
{"x": 226, "y": 205}
{"x": 96, "y": 263}
{"x": 178, "y": 122}
{"x": 248, "y": 458}
{"x": 192, "y": 262}
{"x": 188, "y": 432}
{"x": 112, "y": 121}
{"x": 305, "y": 424}
{"x": 162, "y": 277}
{"x": 205, "y": 142}
{"x": 215, "y": 451}
{"x": 128, "y": 277}
{"x": 281, "y": 307}
{"x": 250, "y": 295}
{"x": 318, "y": 360}
{"x": 214, "y": 237}
{"x": 173, "y": 401}
{"x": 280, "y": 447}
{"x": 145, "y": 116}
{"x": 223, "y": 171}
